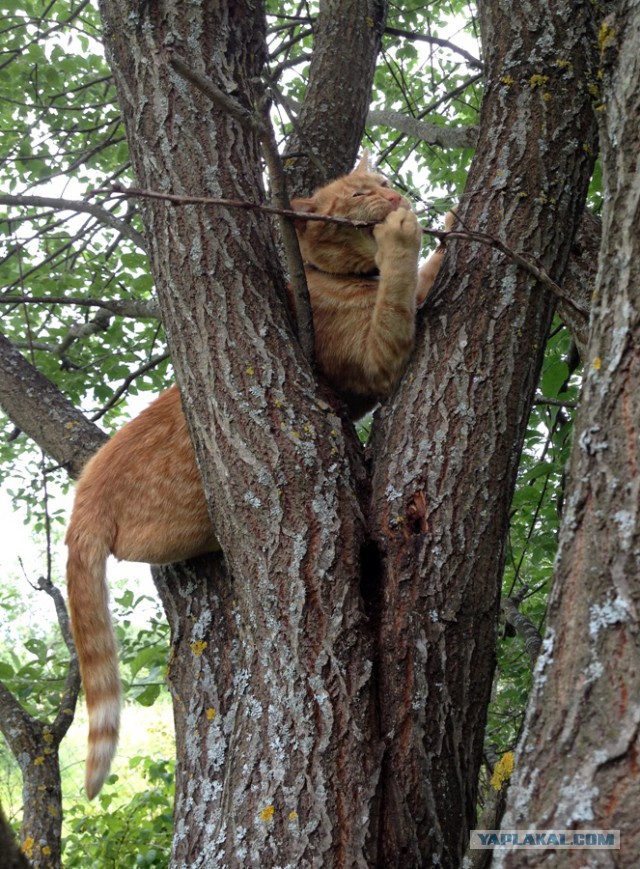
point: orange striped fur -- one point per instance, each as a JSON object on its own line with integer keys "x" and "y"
{"x": 140, "y": 497}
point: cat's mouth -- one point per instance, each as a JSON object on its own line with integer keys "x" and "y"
{"x": 381, "y": 209}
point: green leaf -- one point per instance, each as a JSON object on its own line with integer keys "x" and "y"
{"x": 553, "y": 378}
{"x": 148, "y": 696}
{"x": 142, "y": 659}
{"x": 6, "y": 671}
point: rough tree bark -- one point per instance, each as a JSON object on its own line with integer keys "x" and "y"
{"x": 35, "y": 745}
{"x": 292, "y": 703}
{"x": 329, "y": 129}
{"x": 578, "y": 762}
{"x": 273, "y": 709}
{"x": 38, "y": 408}
{"x": 447, "y": 448}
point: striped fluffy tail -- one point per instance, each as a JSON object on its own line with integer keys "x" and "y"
{"x": 96, "y": 647}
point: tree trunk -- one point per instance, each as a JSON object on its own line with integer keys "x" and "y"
{"x": 279, "y": 756}
{"x": 447, "y": 448}
{"x": 578, "y": 762}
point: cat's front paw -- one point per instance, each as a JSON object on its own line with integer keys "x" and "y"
{"x": 398, "y": 237}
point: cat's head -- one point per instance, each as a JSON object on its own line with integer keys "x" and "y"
{"x": 361, "y": 195}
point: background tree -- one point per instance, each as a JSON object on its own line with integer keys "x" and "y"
{"x": 343, "y": 652}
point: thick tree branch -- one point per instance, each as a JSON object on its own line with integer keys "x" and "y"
{"x": 445, "y": 450}
{"x": 577, "y": 763}
{"x": 251, "y": 403}
{"x": 433, "y": 134}
{"x": 39, "y": 409}
{"x": 347, "y": 40}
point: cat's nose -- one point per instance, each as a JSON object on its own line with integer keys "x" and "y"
{"x": 391, "y": 196}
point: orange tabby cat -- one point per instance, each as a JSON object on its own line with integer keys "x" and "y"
{"x": 140, "y": 497}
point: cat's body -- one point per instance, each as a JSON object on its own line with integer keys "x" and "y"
{"x": 140, "y": 497}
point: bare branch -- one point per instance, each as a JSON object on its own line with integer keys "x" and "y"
{"x": 427, "y": 110}
{"x": 435, "y": 40}
{"x": 99, "y": 323}
{"x": 80, "y": 206}
{"x": 69, "y": 698}
{"x": 119, "y": 190}
{"x": 295, "y": 264}
{"x": 444, "y": 137}
{"x": 528, "y": 263}
{"x": 554, "y": 402}
{"x": 137, "y": 308}
{"x": 217, "y": 96}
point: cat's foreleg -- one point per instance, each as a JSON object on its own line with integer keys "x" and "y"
{"x": 390, "y": 337}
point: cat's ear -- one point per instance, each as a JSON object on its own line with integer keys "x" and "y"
{"x": 363, "y": 165}
{"x": 308, "y": 206}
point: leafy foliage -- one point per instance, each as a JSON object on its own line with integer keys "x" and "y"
{"x": 136, "y": 833}
{"x": 535, "y": 517}
{"x": 33, "y": 670}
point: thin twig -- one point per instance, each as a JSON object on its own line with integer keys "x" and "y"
{"x": 119, "y": 307}
{"x": 120, "y": 391}
{"x": 434, "y": 40}
{"x": 442, "y": 235}
{"x": 225, "y": 102}
{"x": 174, "y": 199}
{"x": 537, "y": 271}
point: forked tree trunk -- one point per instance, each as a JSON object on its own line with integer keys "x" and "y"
{"x": 330, "y": 684}
{"x": 578, "y": 764}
